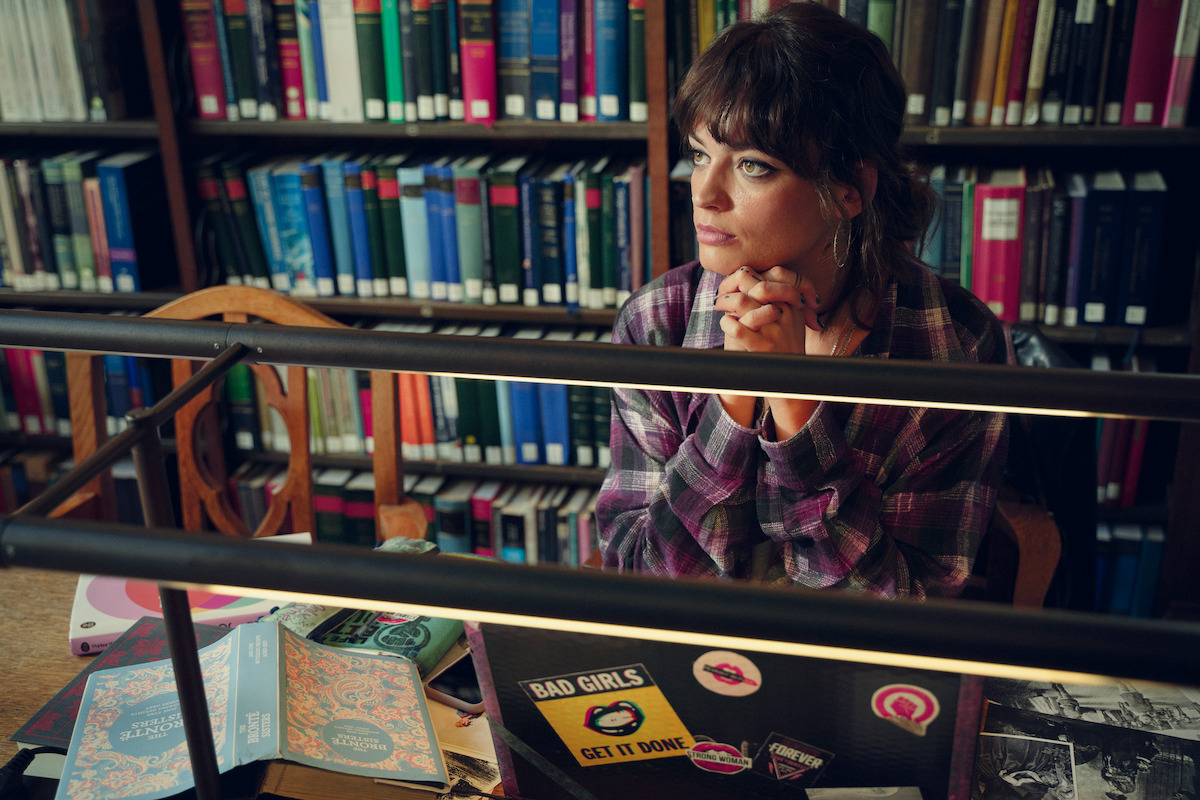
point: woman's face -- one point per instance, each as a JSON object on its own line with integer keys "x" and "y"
{"x": 751, "y": 210}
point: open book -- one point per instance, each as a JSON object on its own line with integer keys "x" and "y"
{"x": 271, "y": 694}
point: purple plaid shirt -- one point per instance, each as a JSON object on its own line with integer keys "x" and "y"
{"x": 879, "y": 499}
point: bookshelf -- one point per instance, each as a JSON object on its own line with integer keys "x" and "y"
{"x": 174, "y": 130}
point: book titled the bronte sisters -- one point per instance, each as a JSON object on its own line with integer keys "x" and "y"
{"x": 271, "y": 695}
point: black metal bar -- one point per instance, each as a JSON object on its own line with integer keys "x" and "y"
{"x": 1157, "y": 396}
{"x": 1124, "y": 648}
{"x": 116, "y": 447}
{"x": 155, "y": 492}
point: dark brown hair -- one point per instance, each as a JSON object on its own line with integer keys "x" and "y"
{"x": 819, "y": 93}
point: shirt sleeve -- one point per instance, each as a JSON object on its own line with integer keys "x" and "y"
{"x": 912, "y": 530}
{"x": 677, "y": 502}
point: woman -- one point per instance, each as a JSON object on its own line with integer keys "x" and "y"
{"x": 804, "y": 213}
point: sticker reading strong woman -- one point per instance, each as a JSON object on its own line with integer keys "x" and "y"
{"x": 610, "y": 715}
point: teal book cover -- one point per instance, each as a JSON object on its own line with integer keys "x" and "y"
{"x": 272, "y": 694}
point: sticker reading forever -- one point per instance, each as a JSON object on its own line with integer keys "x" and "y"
{"x": 610, "y": 715}
{"x": 791, "y": 761}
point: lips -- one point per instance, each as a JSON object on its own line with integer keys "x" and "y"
{"x": 712, "y": 236}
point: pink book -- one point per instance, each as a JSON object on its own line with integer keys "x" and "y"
{"x": 94, "y": 200}
{"x": 1018, "y": 75}
{"x": 996, "y": 257}
{"x": 1179, "y": 85}
{"x": 1150, "y": 60}
{"x": 477, "y": 45}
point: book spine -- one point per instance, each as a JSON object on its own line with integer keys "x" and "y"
{"x": 454, "y": 57}
{"x": 393, "y": 230}
{"x": 544, "y": 59}
{"x": 439, "y": 57}
{"x": 264, "y": 55}
{"x": 417, "y": 252}
{"x": 308, "y": 59}
{"x": 118, "y": 223}
{"x": 1097, "y": 285}
{"x": 262, "y": 198}
{"x": 569, "y": 60}
{"x": 59, "y": 223}
{"x": 588, "y": 106}
{"x": 369, "y": 38}
{"x": 531, "y": 294}
{"x": 291, "y": 70}
{"x": 235, "y": 199}
{"x": 312, "y": 190}
{"x": 422, "y": 39}
{"x": 514, "y": 60}
{"x": 1112, "y": 98}
{"x": 364, "y": 282}
{"x": 547, "y": 208}
{"x": 199, "y": 25}
{"x": 612, "y": 60}
{"x": 343, "y": 77}
{"x": 320, "y": 80}
{"x": 945, "y": 61}
{"x": 94, "y": 199}
{"x": 468, "y": 216}
{"x": 477, "y": 46}
{"x": 339, "y": 226}
{"x": 996, "y": 252}
{"x": 293, "y": 231}
{"x": 241, "y": 57}
{"x": 505, "y": 207}
{"x": 639, "y": 110}
{"x": 1150, "y": 59}
{"x": 1038, "y": 54}
{"x": 393, "y": 66}
{"x": 449, "y": 228}
{"x": 1183, "y": 65}
{"x": 380, "y": 283}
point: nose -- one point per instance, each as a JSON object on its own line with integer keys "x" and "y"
{"x": 708, "y": 189}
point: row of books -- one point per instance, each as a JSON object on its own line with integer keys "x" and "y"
{"x": 438, "y": 60}
{"x": 68, "y": 61}
{"x": 1039, "y": 62}
{"x": 503, "y": 229}
{"x": 523, "y": 522}
{"x": 1042, "y": 246}
{"x": 92, "y": 220}
{"x": 1128, "y": 561}
{"x": 442, "y": 418}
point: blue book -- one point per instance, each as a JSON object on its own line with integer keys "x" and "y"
{"x": 415, "y": 219}
{"x": 293, "y": 227}
{"x": 1105, "y": 227}
{"x": 1145, "y": 583}
{"x": 324, "y": 110}
{"x": 514, "y": 59}
{"x": 531, "y": 279}
{"x": 339, "y": 221}
{"x": 360, "y": 238}
{"x": 1126, "y": 551}
{"x": 449, "y": 226}
{"x": 554, "y": 410}
{"x": 612, "y": 60}
{"x": 1146, "y": 209}
{"x": 135, "y": 218}
{"x": 469, "y": 205}
{"x": 543, "y": 59}
{"x": 116, "y": 391}
{"x": 434, "y": 219}
{"x": 452, "y": 512}
{"x": 549, "y": 238}
{"x": 313, "y": 190}
{"x": 570, "y": 234}
{"x": 526, "y": 412}
{"x": 262, "y": 196}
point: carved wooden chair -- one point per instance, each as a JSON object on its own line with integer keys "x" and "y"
{"x": 203, "y": 491}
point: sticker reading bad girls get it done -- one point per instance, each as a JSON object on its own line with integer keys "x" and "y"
{"x": 610, "y": 715}
{"x": 727, "y": 673}
{"x": 911, "y": 707}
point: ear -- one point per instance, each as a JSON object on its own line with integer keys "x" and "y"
{"x": 852, "y": 200}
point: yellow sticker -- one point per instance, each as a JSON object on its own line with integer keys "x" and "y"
{"x": 610, "y": 715}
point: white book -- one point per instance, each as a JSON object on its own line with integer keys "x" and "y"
{"x": 22, "y": 92}
{"x": 63, "y": 37}
{"x": 50, "y": 80}
{"x": 339, "y": 41}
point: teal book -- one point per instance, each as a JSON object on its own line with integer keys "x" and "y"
{"x": 468, "y": 222}
{"x": 393, "y": 65}
{"x": 439, "y": 269}
{"x": 339, "y": 221}
{"x": 414, "y": 216}
{"x": 419, "y": 639}
{"x": 272, "y": 694}
{"x": 262, "y": 196}
{"x": 293, "y": 227}
{"x": 451, "y": 506}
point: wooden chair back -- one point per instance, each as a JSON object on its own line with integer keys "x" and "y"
{"x": 204, "y": 493}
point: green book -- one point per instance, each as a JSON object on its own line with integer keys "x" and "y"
{"x": 368, "y": 27}
{"x": 58, "y": 218}
{"x": 381, "y": 283}
{"x": 504, "y": 206}
{"x": 241, "y": 58}
{"x": 236, "y": 199}
{"x": 329, "y": 504}
{"x": 391, "y": 221}
{"x": 422, "y": 639}
{"x": 608, "y": 236}
{"x": 592, "y": 294}
{"x": 639, "y": 110}
{"x": 75, "y": 168}
{"x": 393, "y": 64}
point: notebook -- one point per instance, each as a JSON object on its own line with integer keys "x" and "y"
{"x": 580, "y": 716}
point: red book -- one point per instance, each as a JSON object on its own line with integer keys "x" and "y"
{"x": 997, "y": 242}
{"x": 410, "y": 426}
{"x": 477, "y": 49}
{"x": 25, "y": 391}
{"x": 94, "y": 201}
{"x": 1022, "y": 54}
{"x": 291, "y": 71}
{"x": 1150, "y": 60}
{"x": 1183, "y": 64}
{"x": 200, "y": 30}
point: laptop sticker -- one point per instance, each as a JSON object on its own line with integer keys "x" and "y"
{"x": 610, "y": 715}
{"x": 727, "y": 673}
{"x": 791, "y": 761}
{"x": 724, "y": 759}
{"x": 910, "y": 707}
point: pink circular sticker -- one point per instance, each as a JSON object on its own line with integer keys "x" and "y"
{"x": 716, "y": 757}
{"x": 727, "y": 673}
{"x": 908, "y": 706}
